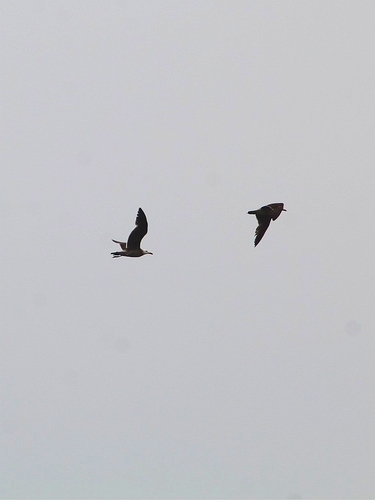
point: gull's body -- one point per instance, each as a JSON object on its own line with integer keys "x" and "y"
{"x": 265, "y": 215}
{"x": 133, "y": 246}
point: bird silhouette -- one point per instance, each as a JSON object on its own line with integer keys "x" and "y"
{"x": 264, "y": 216}
{"x": 133, "y": 246}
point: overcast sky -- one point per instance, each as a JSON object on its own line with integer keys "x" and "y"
{"x": 210, "y": 369}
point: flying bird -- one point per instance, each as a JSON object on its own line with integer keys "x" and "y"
{"x": 133, "y": 246}
{"x": 264, "y": 216}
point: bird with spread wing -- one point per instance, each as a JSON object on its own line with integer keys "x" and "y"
{"x": 132, "y": 248}
{"x": 265, "y": 215}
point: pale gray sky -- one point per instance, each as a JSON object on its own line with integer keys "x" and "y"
{"x": 210, "y": 369}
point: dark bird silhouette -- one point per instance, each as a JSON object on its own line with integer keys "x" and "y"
{"x": 133, "y": 246}
{"x": 264, "y": 216}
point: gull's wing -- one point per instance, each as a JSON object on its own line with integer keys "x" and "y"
{"x": 135, "y": 237}
{"x": 121, "y": 243}
{"x": 264, "y": 222}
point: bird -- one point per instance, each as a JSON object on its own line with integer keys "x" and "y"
{"x": 133, "y": 246}
{"x": 264, "y": 216}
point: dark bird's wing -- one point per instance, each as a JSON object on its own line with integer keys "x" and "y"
{"x": 121, "y": 243}
{"x": 264, "y": 221}
{"x": 135, "y": 237}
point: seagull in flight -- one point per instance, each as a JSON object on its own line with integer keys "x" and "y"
{"x": 133, "y": 246}
{"x": 264, "y": 216}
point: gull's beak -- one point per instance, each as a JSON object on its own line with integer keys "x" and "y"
{"x": 284, "y": 210}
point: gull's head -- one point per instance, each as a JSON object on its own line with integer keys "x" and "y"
{"x": 146, "y": 251}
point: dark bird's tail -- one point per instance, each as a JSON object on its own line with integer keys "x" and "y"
{"x": 117, "y": 254}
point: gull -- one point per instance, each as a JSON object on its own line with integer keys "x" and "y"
{"x": 264, "y": 216}
{"x": 133, "y": 246}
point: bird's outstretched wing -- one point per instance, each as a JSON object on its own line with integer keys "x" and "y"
{"x": 135, "y": 237}
{"x": 121, "y": 243}
{"x": 264, "y": 222}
